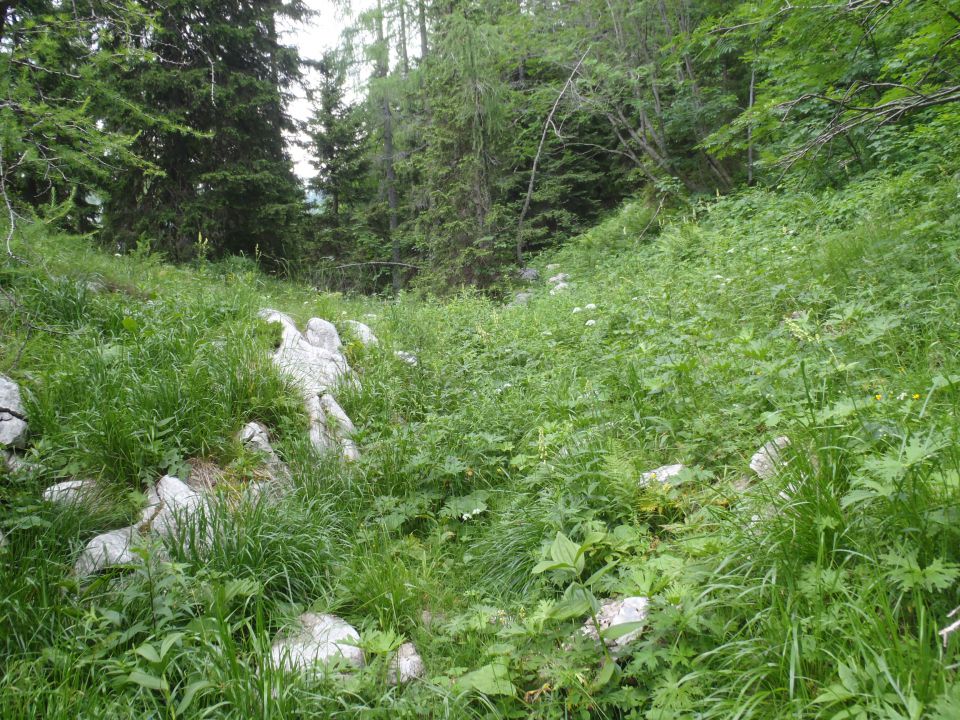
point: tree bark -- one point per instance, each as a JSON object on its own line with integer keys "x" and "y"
{"x": 383, "y": 68}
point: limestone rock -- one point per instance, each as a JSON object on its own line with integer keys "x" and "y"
{"x": 362, "y": 332}
{"x": 71, "y": 492}
{"x": 13, "y": 417}
{"x": 310, "y": 363}
{"x": 318, "y": 640}
{"x": 106, "y": 550}
{"x": 408, "y": 357}
{"x": 618, "y": 612}
{"x": 768, "y": 460}
{"x": 559, "y": 278}
{"x": 323, "y": 334}
{"x": 559, "y": 288}
{"x": 255, "y": 437}
{"x": 662, "y": 474}
{"x": 176, "y": 512}
{"x": 406, "y": 665}
{"x": 521, "y": 298}
{"x": 330, "y": 427}
{"x": 529, "y": 274}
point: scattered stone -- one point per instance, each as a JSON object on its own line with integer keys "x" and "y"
{"x": 363, "y": 333}
{"x": 553, "y": 266}
{"x": 590, "y": 306}
{"x": 407, "y": 357}
{"x": 318, "y": 640}
{"x": 618, "y": 612}
{"x": 316, "y": 363}
{"x": 71, "y": 492}
{"x": 176, "y": 512}
{"x": 521, "y": 298}
{"x": 323, "y": 334}
{"x": 559, "y": 287}
{"x": 529, "y": 274}
{"x": 406, "y": 665}
{"x": 13, "y": 462}
{"x": 662, "y": 474}
{"x": 768, "y": 460}
{"x": 255, "y": 437}
{"x": 13, "y": 418}
{"x": 107, "y": 550}
{"x": 559, "y": 278}
{"x": 315, "y": 368}
{"x": 590, "y": 323}
{"x": 577, "y": 309}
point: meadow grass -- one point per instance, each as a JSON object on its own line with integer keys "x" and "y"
{"x": 830, "y": 318}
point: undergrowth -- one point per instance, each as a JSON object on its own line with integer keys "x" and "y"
{"x": 693, "y": 337}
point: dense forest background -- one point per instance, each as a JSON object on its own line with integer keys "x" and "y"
{"x": 484, "y": 133}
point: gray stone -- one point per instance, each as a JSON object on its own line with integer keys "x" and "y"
{"x": 318, "y": 640}
{"x": 71, "y": 492}
{"x": 255, "y": 437}
{"x": 559, "y": 288}
{"x": 107, "y": 550}
{"x": 529, "y": 274}
{"x": 662, "y": 474}
{"x": 408, "y": 357}
{"x": 521, "y": 298}
{"x": 559, "y": 278}
{"x": 176, "y": 512}
{"x": 323, "y": 334}
{"x": 618, "y": 612}
{"x": 406, "y": 665}
{"x": 768, "y": 460}
{"x": 362, "y": 333}
{"x": 13, "y": 417}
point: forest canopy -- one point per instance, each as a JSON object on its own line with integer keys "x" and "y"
{"x": 483, "y": 133}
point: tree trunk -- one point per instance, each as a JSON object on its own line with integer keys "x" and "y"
{"x": 404, "y": 60}
{"x": 422, "y": 18}
{"x": 383, "y": 68}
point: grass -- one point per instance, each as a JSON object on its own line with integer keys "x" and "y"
{"x": 830, "y": 318}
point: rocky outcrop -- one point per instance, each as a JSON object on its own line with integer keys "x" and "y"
{"x": 768, "y": 460}
{"x": 362, "y": 333}
{"x": 407, "y": 357}
{"x": 71, "y": 492}
{"x": 618, "y": 612}
{"x": 662, "y": 474}
{"x": 255, "y": 437}
{"x": 315, "y": 642}
{"x": 406, "y": 665}
{"x": 108, "y": 549}
{"x": 13, "y": 417}
{"x": 315, "y": 362}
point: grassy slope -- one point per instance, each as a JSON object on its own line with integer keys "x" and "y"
{"x": 830, "y": 318}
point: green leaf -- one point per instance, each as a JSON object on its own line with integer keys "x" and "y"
{"x": 151, "y": 682}
{"x": 564, "y": 550}
{"x": 606, "y": 673}
{"x": 492, "y": 679}
{"x": 148, "y": 652}
{"x": 615, "y": 632}
{"x": 188, "y": 694}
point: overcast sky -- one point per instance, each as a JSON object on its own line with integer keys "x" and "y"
{"x": 313, "y": 38}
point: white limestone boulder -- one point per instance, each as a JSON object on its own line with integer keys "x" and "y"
{"x": 362, "y": 333}
{"x": 330, "y": 427}
{"x": 407, "y": 357}
{"x": 559, "y": 288}
{"x": 177, "y": 512}
{"x": 71, "y": 492}
{"x": 314, "y": 364}
{"x": 662, "y": 474}
{"x": 559, "y": 278}
{"x": 316, "y": 641}
{"x": 323, "y": 334}
{"x": 768, "y": 460}
{"x": 255, "y": 437}
{"x": 13, "y": 417}
{"x": 618, "y": 612}
{"x": 108, "y": 549}
{"x": 406, "y": 665}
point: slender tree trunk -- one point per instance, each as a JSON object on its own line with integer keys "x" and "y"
{"x": 383, "y": 68}
{"x": 404, "y": 60}
{"x": 422, "y": 19}
{"x": 753, "y": 84}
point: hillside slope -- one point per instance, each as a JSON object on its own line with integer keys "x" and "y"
{"x": 521, "y": 433}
